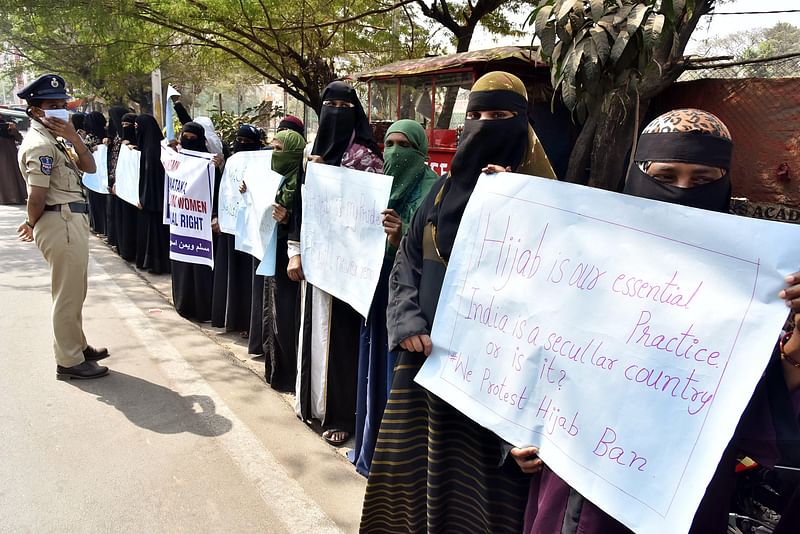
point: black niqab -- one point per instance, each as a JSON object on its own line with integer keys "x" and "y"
{"x": 483, "y": 142}
{"x": 129, "y": 132}
{"x": 78, "y": 120}
{"x": 250, "y": 132}
{"x": 95, "y": 125}
{"x": 683, "y": 147}
{"x": 337, "y": 126}
{"x": 115, "y": 115}
{"x": 199, "y": 143}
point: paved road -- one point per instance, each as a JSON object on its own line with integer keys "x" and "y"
{"x": 180, "y": 437}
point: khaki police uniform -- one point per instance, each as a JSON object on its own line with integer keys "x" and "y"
{"x": 62, "y": 235}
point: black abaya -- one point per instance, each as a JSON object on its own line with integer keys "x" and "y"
{"x": 232, "y": 286}
{"x": 281, "y": 324}
{"x": 152, "y": 241}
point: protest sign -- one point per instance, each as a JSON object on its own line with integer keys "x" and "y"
{"x": 169, "y": 113}
{"x": 342, "y": 241}
{"x": 187, "y": 205}
{"x": 98, "y": 181}
{"x": 248, "y": 166}
{"x": 623, "y": 336}
{"x": 127, "y": 175}
{"x": 256, "y": 231}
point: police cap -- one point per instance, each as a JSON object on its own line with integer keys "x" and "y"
{"x": 45, "y": 87}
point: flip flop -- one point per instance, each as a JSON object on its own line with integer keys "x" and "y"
{"x": 330, "y": 437}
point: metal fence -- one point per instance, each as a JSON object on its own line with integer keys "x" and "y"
{"x": 776, "y": 68}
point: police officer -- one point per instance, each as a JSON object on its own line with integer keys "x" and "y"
{"x": 58, "y": 219}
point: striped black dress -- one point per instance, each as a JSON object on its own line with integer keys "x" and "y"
{"x": 434, "y": 470}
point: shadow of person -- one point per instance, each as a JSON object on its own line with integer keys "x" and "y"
{"x": 156, "y": 408}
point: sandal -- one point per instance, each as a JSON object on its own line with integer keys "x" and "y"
{"x": 336, "y": 437}
{"x": 244, "y": 334}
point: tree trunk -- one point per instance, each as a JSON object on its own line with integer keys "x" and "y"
{"x": 578, "y": 168}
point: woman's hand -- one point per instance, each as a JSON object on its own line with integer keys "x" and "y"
{"x": 217, "y": 161}
{"x": 527, "y": 459}
{"x": 280, "y": 214}
{"x": 791, "y": 347}
{"x": 242, "y": 187}
{"x": 316, "y": 159}
{"x": 295, "y": 269}
{"x": 420, "y": 343}
{"x": 215, "y": 225}
{"x": 393, "y": 226}
{"x": 494, "y": 169}
{"x": 791, "y": 295}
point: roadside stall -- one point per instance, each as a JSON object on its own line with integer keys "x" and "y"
{"x": 434, "y": 92}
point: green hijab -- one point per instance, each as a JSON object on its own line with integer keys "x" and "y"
{"x": 406, "y": 164}
{"x": 287, "y": 163}
{"x": 413, "y": 177}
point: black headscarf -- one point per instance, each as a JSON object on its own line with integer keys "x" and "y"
{"x": 684, "y": 147}
{"x": 151, "y": 171}
{"x": 129, "y": 132}
{"x": 115, "y": 115}
{"x": 198, "y": 144}
{"x": 78, "y": 120}
{"x": 337, "y": 125}
{"x": 501, "y": 142}
{"x": 250, "y": 132}
{"x": 95, "y": 125}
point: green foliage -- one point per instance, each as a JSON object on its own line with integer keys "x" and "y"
{"x": 98, "y": 54}
{"x": 227, "y": 124}
{"x": 597, "y": 46}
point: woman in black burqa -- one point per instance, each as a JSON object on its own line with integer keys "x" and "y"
{"x": 94, "y": 128}
{"x": 114, "y": 141}
{"x": 152, "y": 241}
{"x": 127, "y": 215}
{"x": 233, "y": 277}
{"x": 192, "y": 284}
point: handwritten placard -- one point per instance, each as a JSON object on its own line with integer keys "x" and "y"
{"x": 187, "y": 206}
{"x": 245, "y": 166}
{"x": 256, "y": 231}
{"x": 127, "y": 175}
{"x": 622, "y": 336}
{"x": 98, "y": 181}
{"x": 342, "y": 241}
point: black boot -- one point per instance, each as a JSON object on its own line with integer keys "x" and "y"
{"x": 91, "y": 354}
{"x": 82, "y": 370}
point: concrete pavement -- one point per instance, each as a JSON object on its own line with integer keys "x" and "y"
{"x": 182, "y": 436}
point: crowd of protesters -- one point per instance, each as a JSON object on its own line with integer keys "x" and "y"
{"x": 429, "y": 467}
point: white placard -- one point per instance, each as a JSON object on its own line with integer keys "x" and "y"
{"x": 188, "y": 204}
{"x": 127, "y": 175}
{"x": 98, "y": 181}
{"x": 623, "y": 336}
{"x": 248, "y": 166}
{"x": 256, "y": 231}
{"x": 342, "y": 242}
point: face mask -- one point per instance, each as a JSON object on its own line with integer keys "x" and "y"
{"x": 62, "y": 114}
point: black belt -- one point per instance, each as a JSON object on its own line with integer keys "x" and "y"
{"x": 74, "y": 207}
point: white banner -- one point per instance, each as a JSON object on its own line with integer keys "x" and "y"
{"x": 622, "y": 336}
{"x": 127, "y": 175}
{"x": 98, "y": 181}
{"x": 256, "y": 231}
{"x": 188, "y": 205}
{"x": 342, "y": 242}
{"x": 248, "y": 166}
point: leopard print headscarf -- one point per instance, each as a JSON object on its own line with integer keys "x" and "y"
{"x": 688, "y": 120}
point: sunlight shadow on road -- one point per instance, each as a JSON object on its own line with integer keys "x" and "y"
{"x": 157, "y": 408}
